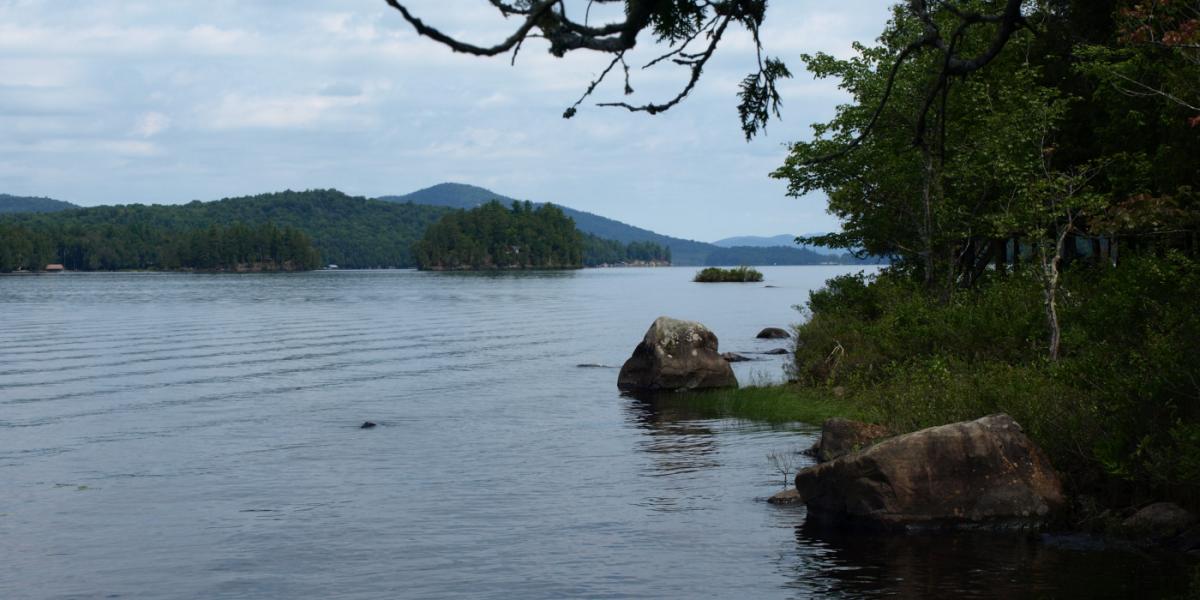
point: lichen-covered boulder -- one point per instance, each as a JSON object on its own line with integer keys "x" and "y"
{"x": 982, "y": 473}
{"x": 840, "y": 437}
{"x": 675, "y": 355}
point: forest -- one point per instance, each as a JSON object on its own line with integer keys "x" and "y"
{"x": 1042, "y": 219}
{"x": 352, "y": 232}
{"x": 494, "y": 237}
{"x": 598, "y": 251}
{"x": 143, "y": 246}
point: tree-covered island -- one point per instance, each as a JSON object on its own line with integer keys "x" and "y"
{"x": 494, "y": 237}
{"x": 523, "y": 237}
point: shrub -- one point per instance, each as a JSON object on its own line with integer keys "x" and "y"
{"x": 1119, "y": 413}
{"x": 735, "y": 275}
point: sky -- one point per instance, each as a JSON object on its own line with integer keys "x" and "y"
{"x": 127, "y": 101}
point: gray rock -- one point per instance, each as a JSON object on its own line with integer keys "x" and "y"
{"x": 735, "y": 357}
{"x": 778, "y": 351}
{"x": 1160, "y": 520}
{"x": 976, "y": 474}
{"x": 675, "y": 355}
{"x": 773, "y": 333}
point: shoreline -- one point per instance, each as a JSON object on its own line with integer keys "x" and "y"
{"x": 784, "y": 403}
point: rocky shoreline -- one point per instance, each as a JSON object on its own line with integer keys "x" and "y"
{"x": 984, "y": 474}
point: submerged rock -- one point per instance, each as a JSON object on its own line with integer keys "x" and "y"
{"x": 675, "y": 355}
{"x": 773, "y": 333}
{"x": 1160, "y": 520}
{"x": 778, "y": 351}
{"x": 367, "y": 425}
{"x": 735, "y": 357}
{"x": 788, "y": 496}
{"x": 840, "y": 437}
{"x": 982, "y": 473}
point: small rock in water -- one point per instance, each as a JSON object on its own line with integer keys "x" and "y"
{"x": 788, "y": 496}
{"x": 735, "y": 357}
{"x": 592, "y": 366}
{"x": 367, "y": 425}
{"x": 773, "y": 333}
{"x": 777, "y": 351}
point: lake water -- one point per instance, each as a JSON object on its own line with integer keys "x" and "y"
{"x": 197, "y": 436}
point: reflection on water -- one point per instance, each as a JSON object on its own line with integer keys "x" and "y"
{"x": 678, "y": 446}
{"x": 853, "y": 563}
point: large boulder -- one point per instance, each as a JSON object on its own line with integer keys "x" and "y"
{"x": 983, "y": 473}
{"x": 676, "y": 355}
{"x": 840, "y": 437}
{"x": 1160, "y": 520}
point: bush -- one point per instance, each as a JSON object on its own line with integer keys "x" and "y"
{"x": 735, "y": 275}
{"x": 1119, "y": 413}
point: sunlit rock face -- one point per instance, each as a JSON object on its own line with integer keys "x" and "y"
{"x": 675, "y": 355}
{"x": 982, "y": 473}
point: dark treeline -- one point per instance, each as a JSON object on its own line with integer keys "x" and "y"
{"x": 1044, "y": 226}
{"x": 31, "y": 246}
{"x": 779, "y": 255}
{"x": 352, "y": 232}
{"x": 264, "y": 247}
{"x": 599, "y": 251}
{"x": 494, "y": 237}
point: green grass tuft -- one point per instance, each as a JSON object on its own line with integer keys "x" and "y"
{"x": 773, "y": 404}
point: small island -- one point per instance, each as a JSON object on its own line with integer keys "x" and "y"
{"x": 734, "y": 275}
{"x": 491, "y": 237}
{"x": 524, "y": 236}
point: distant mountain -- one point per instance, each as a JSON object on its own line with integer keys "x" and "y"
{"x": 786, "y": 240}
{"x": 779, "y": 255}
{"x": 31, "y": 204}
{"x": 459, "y": 195}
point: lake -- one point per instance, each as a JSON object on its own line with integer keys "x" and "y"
{"x": 197, "y": 436}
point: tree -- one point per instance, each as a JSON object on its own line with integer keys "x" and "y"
{"x": 785, "y": 461}
{"x": 690, "y": 32}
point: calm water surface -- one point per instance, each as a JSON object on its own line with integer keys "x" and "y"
{"x": 193, "y": 436}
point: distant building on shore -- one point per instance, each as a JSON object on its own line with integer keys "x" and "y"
{"x": 54, "y": 268}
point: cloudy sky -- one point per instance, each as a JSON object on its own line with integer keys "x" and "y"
{"x": 122, "y": 101}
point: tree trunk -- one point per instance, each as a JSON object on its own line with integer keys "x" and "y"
{"x": 1050, "y": 276}
{"x": 927, "y": 229}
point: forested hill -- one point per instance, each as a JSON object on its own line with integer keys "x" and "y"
{"x": 352, "y": 232}
{"x": 776, "y": 241}
{"x": 31, "y": 204}
{"x": 459, "y": 195}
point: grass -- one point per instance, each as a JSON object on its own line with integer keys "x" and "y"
{"x": 735, "y": 275}
{"x": 772, "y": 404}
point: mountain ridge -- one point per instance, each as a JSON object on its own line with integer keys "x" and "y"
{"x": 684, "y": 252}
{"x": 32, "y": 204}
{"x": 785, "y": 240}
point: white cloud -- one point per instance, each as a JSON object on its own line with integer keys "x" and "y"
{"x": 151, "y": 124}
{"x": 235, "y": 111}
